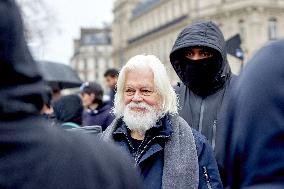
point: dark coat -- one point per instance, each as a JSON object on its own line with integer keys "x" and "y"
{"x": 111, "y": 96}
{"x": 254, "y": 132}
{"x": 204, "y": 113}
{"x": 102, "y": 116}
{"x": 34, "y": 155}
{"x": 151, "y": 163}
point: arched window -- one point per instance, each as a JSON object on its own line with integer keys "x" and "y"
{"x": 272, "y": 28}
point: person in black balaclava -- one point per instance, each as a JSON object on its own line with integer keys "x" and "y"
{"x": 34, "y": 155}
{"x": 200, "y": 60}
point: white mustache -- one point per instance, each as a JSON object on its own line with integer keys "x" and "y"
{"x": 139, "y": 105}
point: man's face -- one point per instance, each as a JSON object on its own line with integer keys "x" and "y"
{"x": 197, "y": 53}
{"x": 87, "y": 99}
{"x": 141, "y": 100}
{"x": 139, "y": 87}
{"x": 111, "y": 81}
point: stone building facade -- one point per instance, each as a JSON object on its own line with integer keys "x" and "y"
{"x": 151, "y": 26}
{"x": 92, "y": 54}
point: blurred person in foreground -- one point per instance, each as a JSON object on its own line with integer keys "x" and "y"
{"x": 68, "y": 111}
{"x": 111, "y": 76}
{"x": 34, "y": 155}
{"x": 96, "y": 112}
{"x": 199, "y": 58}
{"x": 168, "y": 152}
{"x": 254, "y": 132}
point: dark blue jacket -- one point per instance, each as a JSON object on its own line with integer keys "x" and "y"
{"x": 102, "y": 116}
{"x": 151, "y": 161}
{"x": 254, "y": 133}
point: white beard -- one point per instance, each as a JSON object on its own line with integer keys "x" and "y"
{"x": 140, "y": 121}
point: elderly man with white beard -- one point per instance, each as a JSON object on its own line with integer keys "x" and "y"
{"x": 168, "y": 153}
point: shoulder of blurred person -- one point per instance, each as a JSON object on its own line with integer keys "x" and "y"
{"x": 253, "y": 135}
{"x": 101, "y": 116}
{"x": 59, "y": 158}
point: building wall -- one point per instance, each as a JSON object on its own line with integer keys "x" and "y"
{"x": 92, "y": 60}
{"x": 155, "y": 30}
{"x": 120, "y": 29}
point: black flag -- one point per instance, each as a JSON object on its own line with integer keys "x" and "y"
{"x": 233, "y": 46}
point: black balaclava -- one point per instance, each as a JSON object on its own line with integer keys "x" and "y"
{"x": 199, "y": 75}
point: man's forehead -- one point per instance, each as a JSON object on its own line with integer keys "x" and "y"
{"x": 199, "y": 48}
{"x": 138, "y": 84}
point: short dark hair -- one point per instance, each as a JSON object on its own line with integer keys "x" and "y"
{"x": 112, "y": 72}
{"x": 47, "y": 96}
{"x": 95, "y": 88}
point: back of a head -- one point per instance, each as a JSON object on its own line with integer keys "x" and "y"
{"x": 254, "y": 121}
{"x": 20, "y": 82}
{"x": 68, "y": 108}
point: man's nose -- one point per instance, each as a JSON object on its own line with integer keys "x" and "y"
{"x": 196, "y": 56}
{"x": 137, "y": 97}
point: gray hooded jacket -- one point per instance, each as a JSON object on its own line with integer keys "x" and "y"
{"x": 203, "y": 113}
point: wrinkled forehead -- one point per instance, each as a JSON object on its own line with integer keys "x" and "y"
{"x": 139, "y": 77}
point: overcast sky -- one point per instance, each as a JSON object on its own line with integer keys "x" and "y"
{"x": 70, "y": 16}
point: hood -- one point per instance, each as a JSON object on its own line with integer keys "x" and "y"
{"x": 68, "y": 108}
{"x": 20, "y": 84}
{"x": 255, "y": 121}
{"x": 205, "y": 34}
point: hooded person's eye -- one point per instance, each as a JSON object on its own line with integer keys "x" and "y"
{"x": 188, "y": 54}
{"x": 207, "y": 54}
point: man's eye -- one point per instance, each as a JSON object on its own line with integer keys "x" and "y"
{"x": 146, "y": 92}
{"x": 207, "y": 54}
{"x": 130, "y": 91}
{"x": 188, "y": 54}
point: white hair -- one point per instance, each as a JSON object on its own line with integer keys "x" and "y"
{"x": 161, "y": 81}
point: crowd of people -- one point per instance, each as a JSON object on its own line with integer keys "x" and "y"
{"x": 212, "y": 130}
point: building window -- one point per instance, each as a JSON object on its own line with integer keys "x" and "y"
{"x": 96, "y": 68}
{"x": 242, "y": 29}
{"x": 85, "y": 69}
{"x": 272, "y": 28}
